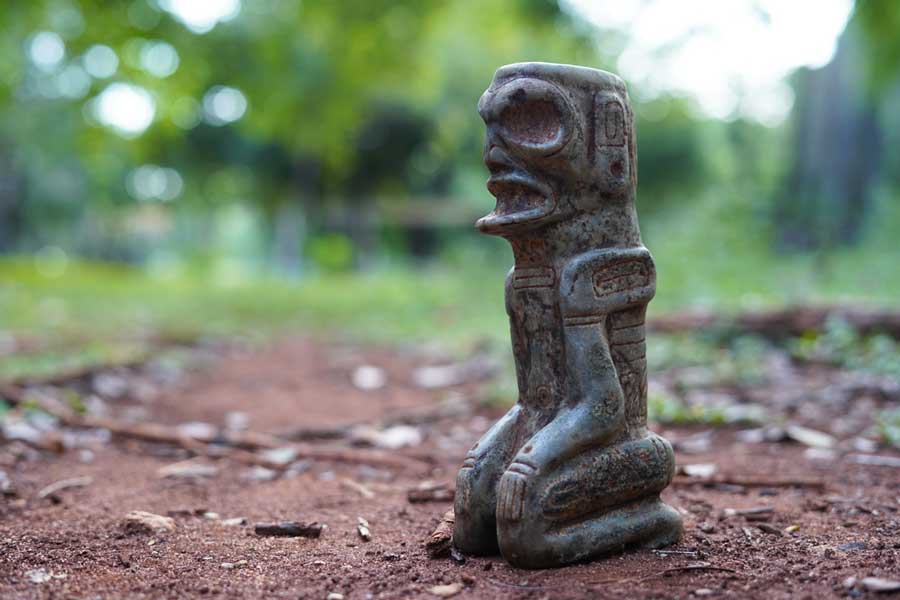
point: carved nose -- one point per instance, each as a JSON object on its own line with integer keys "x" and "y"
{"x": 497, "y": 160}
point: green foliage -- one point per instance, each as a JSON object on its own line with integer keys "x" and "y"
{"x": 347, "y": 103}
{"x": 888, "y": 424}
{"x": 331, "y": 253}
{"x": 841, "y": 345}
{"x": 669, "y": 410}
{"x": 880, "y": 21}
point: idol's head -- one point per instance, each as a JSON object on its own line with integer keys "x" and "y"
{"x": 559, "y": 142}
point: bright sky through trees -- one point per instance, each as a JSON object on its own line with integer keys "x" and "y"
{"x": 732, "y": 56}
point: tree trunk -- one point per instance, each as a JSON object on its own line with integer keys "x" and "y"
{"x": 837, "y": 154}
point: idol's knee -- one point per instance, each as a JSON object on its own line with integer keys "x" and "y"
{"x": 521, "y": 525}
{"x": 475, "y": 527}
{"x": 586, "y": 505}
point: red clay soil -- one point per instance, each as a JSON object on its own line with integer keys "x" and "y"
{"x": 848, "y": 528}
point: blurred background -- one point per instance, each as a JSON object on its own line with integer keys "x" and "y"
{"x": 176, "y": 168}
{"x": 242, "y": 231}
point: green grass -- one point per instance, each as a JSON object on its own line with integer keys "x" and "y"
{"x": 717, "y": 254}
{"x": 90, "y": 300}
{"x": 888, "y": 424}
{"x": 90, "y": 313}
{"x": 707, "y": 256}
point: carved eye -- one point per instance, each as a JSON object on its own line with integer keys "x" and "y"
{"x": 531, "y": 114}
{"x": 532, "y": 122}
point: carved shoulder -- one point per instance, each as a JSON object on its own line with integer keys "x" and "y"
{"x": 607, "y": 280}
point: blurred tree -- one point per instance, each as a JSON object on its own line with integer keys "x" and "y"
{"x": 838, "y": 147}
{"x": 307, "y": 112}
{"x": 845, "y": 128}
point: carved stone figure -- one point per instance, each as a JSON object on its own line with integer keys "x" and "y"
{"x": 571, "y": 471}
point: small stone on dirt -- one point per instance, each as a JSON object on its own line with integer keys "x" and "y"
{"x": 362, "y": 527}
{"x": 289, "y": 529}
{"x": 429, "y": 491}
{"x": 853, "y": 546}
{"x": 875, "y": 460}
{"x": 878, "y": 584}
{"x": 197, "y": 430}
{"x": 258, "y": 473}
{"x": 446, "y": 591}
{"x": 280, "y": 456}
{"x": 391, "y": 438}
{"x": 334, "y": 596}
{"x": 810, "y": 437}
{"x": 236, "y": 421}
{"x": 695, "y": 444}
{"x": 38, "y": 576}
{"x": 188, "y": 469}
{"x": 138, "y": 521}
{"x": 234, "y": 522}
{"x": 368, "y": 378}
{"x": 701, "y": 470}
{"x": 820, "y": 454}
{"x": 110, "y": 385}
{"x": 476, "y": 369}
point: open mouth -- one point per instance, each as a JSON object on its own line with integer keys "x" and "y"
{"x": 522, "y": 201}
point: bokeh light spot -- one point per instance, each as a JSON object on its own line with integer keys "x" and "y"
{"x": 73, "y": 82}
{"x": 46, "y": 50}
{"x": 127, "y": 108}
{"x": 100, "y": 61}
{"x": 160, "y": 59}
{"x": 151, "y": 182}
{"x": 222, "y": 105}
{"x": 202, "y": 16}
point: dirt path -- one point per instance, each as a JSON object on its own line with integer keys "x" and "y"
{"x": 75, "y": 545}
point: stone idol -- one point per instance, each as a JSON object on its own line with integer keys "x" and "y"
{"x": 571, "y": 471}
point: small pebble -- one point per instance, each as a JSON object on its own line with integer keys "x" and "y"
{"x": 878, "y": 584}
{"x": 362, "y": 527}
{"x": 446, "y": 591}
